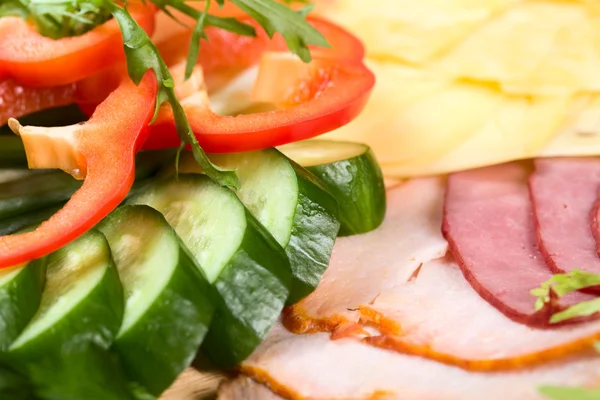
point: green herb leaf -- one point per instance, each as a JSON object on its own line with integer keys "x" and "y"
{"x": 197, "y": 34}
{"x": 13, "y": 9}
{"x": 141, "y": 56}
{"x": 567, "y": 393}
{"x": 562, "y": 284}
{"x": 276, "y": 17}
{"x": 583, "y": 309}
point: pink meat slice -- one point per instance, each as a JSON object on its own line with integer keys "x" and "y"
{"x": 489, "y": 225}
{"x": 315, "y": 367}
{"x": 563, "y": 192}
{"x": 456, "y": 326}
{"x": 362, "y": 266}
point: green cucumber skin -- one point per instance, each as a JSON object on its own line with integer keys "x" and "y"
{"x": 178, "y": 323}
{"x": 19, "y": 301}
{"x": 14, "y": 224}
{"x": 36, "y": 192}
{"x": 12, "y": 152}
{"x": 357, "y": 181}
{"x": 166, "y": 338}
{"x": 70, "y": 361}
{"x": 30, "y": 201}
{"x": 257, "y": 272}
{"x": 251, "y": 288}
{"x": 314, "y": 230}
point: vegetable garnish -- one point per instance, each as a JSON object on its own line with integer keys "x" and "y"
{"x": 570, "y": 393}
{"x": 124, "y": 116}
{"x": 562, "y": 284}
{"x": 102, "y": 151}
{"x": 142, "y": 55}
{"x": 36, "y": 60}
{"x": 309, "y": 99}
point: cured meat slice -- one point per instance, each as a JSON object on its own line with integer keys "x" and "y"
{"x": 563, "y": 192}
{"x": 441, "y": 317}
{"x": 489, "y": 225}
{"x": 362, "y": 266}
{"x": 315, "y": 367}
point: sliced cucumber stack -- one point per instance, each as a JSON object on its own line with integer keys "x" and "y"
{"x": 63, "y": 350}
{"x": 297, "y": 210}
{"x": 352, "y": 174}
{"x": 20, "y": 294}
{"x": 168, "y": 302}
{"x": 249, "y": 270}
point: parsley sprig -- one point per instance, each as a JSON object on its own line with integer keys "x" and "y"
{"x": 62, "y": 18}
{"x": 562, "y": 284}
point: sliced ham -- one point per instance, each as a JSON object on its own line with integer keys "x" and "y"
{"x": 563, "y": 192}
{"x": 362, "y": 266}
{"x": 315, "y": 367}
{"x": 440, "y": 317}
{"x": 489, "y": 225}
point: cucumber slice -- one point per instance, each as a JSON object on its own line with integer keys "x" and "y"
{"x": 12, "y": 152}
{"x": 20, "y": 294}
{"x": 14, "y": 224}
{"x": 249, "y": 270}
{"x": 300, "y": 214}
{"x": 168, "y": 302}
{"x": 352, "y": 174}
{"x": 35, "y": 192}
{"x": 63, "y": 350}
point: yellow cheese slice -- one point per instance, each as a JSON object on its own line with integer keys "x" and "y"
{"x": 535, "y": 48}
{"x": 408, "y": 30}
{"x": 579, "y": 134}
{"x": 415, "y": 117}
{"x": 519, "y": 130}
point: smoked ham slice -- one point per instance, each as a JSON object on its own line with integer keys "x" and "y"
{"x": 489, "y": 225}
{"x": 315, "y": 367}
{"x": 441, "y": 317}
{"x": 563, "y": 192}
{"x": 362, "y": 266}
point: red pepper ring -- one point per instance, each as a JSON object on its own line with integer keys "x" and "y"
{"x": 103, "y": 151}
{"x": 35, "y": 60}
{"x": 336, "y": 94}
{"x": 17, "y": 100}
{"x": 330, "y": 94}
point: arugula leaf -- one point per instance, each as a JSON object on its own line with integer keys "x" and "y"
{"x": 276, "y": 17}
{"x": 141, "y": 56}
{"x": 61, "y": 18}
{"x": 570, "y": 393}
{"x": 197, "y": 34}
{"x": 13, "y": 9}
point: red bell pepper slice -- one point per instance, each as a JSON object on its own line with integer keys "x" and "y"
{"x": 35, "y": 60}
{"x": 103, "y": 151}
{"x": 332, "y": 92}
{"x": 17, "y": 100}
